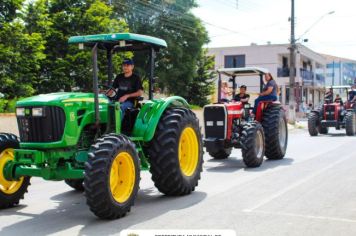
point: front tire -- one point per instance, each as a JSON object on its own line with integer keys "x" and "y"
{"x": 253, "y": 144}
{"x": 221, "y": 153}
{"x": 112, "y": 175}
{"x": 313, "y": 122}
{"x": 323, "y": 130}
{"x": 275, "y": 129}
{"x": 176, "y": 153}
{"x": 10, "y": 191}
{"x": 350, "y": 126}
{"x": 76, "y": 184}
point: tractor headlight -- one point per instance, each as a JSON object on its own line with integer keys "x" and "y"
{"x": 37, "y": 111}
{"x": 20, "y": 111}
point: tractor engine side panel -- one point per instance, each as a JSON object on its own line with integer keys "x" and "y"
{"x": 215, "y": 119}
{"x": 234, "y": 111}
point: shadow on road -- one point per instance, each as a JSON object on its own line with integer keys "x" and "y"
{"x": 234, "y": 164}
{"x": 229, "y": 165}
{"x": 72, "y": 214}
{"x": 334, "y": 135}
{"x": 270, "y": 164}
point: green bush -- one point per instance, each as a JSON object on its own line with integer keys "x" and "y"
{"x": 3, "y": 103}
{"x": 8, "y": 106}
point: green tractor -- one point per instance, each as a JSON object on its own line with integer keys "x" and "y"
{"x": 80, "y": 138}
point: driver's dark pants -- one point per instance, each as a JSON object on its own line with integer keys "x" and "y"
{"x": 263, "y": 98}
{"x": 124, "y": 106}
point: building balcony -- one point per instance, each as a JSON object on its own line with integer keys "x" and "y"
{"x": 319, "y": 80}
{"x": 307, "y": 77}
{"x": 283, "y": 72}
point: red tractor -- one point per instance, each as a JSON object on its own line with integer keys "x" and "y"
{"x": 333, "y": 114}
{"x": 231, "y": 124}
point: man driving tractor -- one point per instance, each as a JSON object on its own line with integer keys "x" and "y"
{"x": 242, "y": 96}
{"x": 128, "y": 85}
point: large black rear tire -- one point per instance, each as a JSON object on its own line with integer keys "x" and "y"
{"x": 221, "y": 153}
{"x": 313, "y": 123}
{"x": 350, "y": 126}
{"x": 253, "y": 144}
{"x": 112, "y": 175}
{"x": 275, "y": 129}
{"x": 76, "y": 184}
{"x": 10, "y": 191}
{"x": 176, "y": 153}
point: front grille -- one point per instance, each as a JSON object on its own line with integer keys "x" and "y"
{"x": 329, "y": 112}
{"x": 47, "y": 128}
{"x": 215, "y": 122}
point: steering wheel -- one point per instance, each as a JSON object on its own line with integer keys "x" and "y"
{"x": 110, "y": 91}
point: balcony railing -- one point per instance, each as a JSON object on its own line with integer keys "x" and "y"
{"x": 319, "y": 80}
{"x": 283, "y": 72}
{"x": 307, "y": 76}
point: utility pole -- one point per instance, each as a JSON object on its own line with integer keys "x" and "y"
{"x": 292, "y": 71}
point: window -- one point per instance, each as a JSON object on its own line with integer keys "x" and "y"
{"x": 285, "y": 63}
{"x": 234, "y": 61}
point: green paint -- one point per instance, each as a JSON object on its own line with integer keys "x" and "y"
{"x": 150, "y": 114}
{"x": 117, "y": 37}
{"x": 65, "y": 158}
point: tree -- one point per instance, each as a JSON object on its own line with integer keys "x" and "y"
{"x": 8, "y": 10}
{"x": 203, "y": 84}
{"x": 66, "y": 66}
{"x": 21, "y": 53}
{"x": 184, "y": 33}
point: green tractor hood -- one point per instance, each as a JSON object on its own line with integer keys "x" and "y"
{"x": 59, "y": 99}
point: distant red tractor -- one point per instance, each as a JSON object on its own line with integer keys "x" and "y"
{"x": 333, "y": 114}
{"x": 230, "y": 125}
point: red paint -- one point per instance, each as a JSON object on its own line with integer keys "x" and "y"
{"x": 261, "y": 107}
{"x": 234, "y": 111}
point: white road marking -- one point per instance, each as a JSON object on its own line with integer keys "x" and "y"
{"x": 307, "y": 216}
{"x": 297, "y": 184}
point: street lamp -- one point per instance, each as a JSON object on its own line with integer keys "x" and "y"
{"x": 315, "y": 23}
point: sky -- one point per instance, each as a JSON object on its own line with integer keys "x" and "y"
{"x": 242, "y": 22}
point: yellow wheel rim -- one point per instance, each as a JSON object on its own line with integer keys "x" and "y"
{"x": 122, "y": 177}
{"x": 188, "y": 151}
{"x": 8, "y": 187}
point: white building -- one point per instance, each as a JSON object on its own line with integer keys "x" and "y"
{"x": 340, "y": 71}
{"x": 310, "y": 72}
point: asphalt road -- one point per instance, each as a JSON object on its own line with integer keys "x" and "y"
{"x": 310, "y": 192}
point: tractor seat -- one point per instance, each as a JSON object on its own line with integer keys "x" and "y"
{"x": 137, "y": 101}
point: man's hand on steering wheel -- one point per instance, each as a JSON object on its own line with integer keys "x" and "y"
{"x": 109, "y": 91}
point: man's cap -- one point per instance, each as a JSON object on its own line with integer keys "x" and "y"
{"x": 128, "y": 61}
{"x": 243, "y": 86}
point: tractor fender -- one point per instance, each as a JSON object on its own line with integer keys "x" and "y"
{"x": 150, "y": 114}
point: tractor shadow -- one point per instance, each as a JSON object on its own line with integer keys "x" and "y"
{"x": 73, "y": 217}
{"x": 333, "y": 135}
{"x": 229, "y": 165}
{"x": 233, "y": 164}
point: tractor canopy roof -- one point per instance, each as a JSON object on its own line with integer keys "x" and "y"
{"x": 120, "y": 41}
{"x": 243, "y": 71}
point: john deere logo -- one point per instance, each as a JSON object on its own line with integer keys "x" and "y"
{"x": 27, "y": 111}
